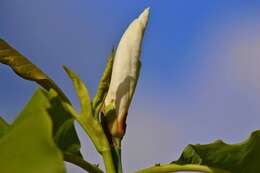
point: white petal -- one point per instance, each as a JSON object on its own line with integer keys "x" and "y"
{"x": 125, "y": 67}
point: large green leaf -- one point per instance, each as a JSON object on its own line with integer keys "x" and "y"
{"x": 63, "y": 127}
{"x": 217, "y": 157}
{"x": 3, "y": 127}
{"x": 237, "y": 158}
{"x": 28, "y": 145}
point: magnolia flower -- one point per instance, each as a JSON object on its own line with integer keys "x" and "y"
{"x": 125, "y": 73}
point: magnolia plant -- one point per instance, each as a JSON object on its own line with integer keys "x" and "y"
{"x": 43, "y": 135}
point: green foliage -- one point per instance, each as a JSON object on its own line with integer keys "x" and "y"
{"x": 238, "y": 158}
{"x": 67, "y": 140}
{"x": 217, "y": 157}
{"x": 3, "y": 127}
{"x": 43, "y": 135}
{"x": 64, "y": 132}
{"x": 62, "y": 113}
{"x": 83, "y": 95}
{"x": 88, "y": 122}
{"x": 59, "y": 110}
{"x": 168, "y": 168}
{"x": 28, "y": 146}
{"x": 103, "y": 85}
{"x": 91, "y": 125}
{"x": 25, "y": 69}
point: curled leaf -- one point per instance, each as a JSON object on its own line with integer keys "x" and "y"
{"x": 237, "y": 158}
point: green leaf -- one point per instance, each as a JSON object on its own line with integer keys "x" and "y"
{"x": 103, "y": 85}
{"x": 82, "y": 92}
{"x": 3, "y": 127}
{"x": 217, "y": 157}
{"x": 69, "y": 146}
{"x": 168, "y": 168}
{"x": 110, "y": 112}
{"x": 28, "y": 146}
{"x": 86, "y": 119}
{"x": 64, "y": 132}
{"x": 243, "y": 157}
{"x": 25, "y": 69}
{"x": 62, "y": 120}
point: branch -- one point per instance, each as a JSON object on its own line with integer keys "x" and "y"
{"x": 91, "y": 168}
{"x": 167, "y": 168}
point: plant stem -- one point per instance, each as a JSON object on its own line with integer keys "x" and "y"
{"x": 105, "y": 153}
{"x": 175, "y": 168}
{"x": 91, "y": 168}
{"x": 108, "y": 161}
{"x": 117, "y": 155}
{"x": 97, "y": 136}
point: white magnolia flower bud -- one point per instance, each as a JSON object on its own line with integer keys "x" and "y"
{"x": 125, "y": 72}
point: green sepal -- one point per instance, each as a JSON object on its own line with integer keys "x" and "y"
{"x": 103, "y": 85}
{"x": 109, "y": 112}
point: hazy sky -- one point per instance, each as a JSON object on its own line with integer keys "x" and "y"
{"x": 200, "y": 77}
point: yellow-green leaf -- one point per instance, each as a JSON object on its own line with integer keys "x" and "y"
{"x": 243, "y": 157}
{"x": 217, "y": 157}
{"x": 86, "y": 119}
{"x": 67, "y": 141}
{"x": 3, "y": 127}
{"x": 82, "y": 92}
{"x": 28, "y": 145}
{"x": 64, "y": 132}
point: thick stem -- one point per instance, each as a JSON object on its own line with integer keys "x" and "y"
{"x": 108, "y": 161}
{"x": 106, "y": 153}
{"x": 175, "y": 168}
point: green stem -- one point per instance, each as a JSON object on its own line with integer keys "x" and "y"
{"x": 117, "y": 155}
{"x": 175, "y": 168}
{"x": 105, "y": 153}
{"x": 108, "y": 161}
{"x": 97, "y": 136}
{"x": 119, "y": 161}
{"x": 82, "y": 163}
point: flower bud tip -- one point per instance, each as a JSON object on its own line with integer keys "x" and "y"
{"x": 143, "y": 18}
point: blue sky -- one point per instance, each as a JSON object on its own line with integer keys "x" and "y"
{"x": 200, "y": 59}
